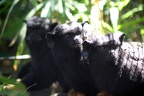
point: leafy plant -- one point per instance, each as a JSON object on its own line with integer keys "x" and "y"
{"x": 11, "y": 87}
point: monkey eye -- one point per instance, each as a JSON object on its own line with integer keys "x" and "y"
{"x": 113, "y": 46}
{"x": 78, "y": 32}
{"x": 70, "y": 35}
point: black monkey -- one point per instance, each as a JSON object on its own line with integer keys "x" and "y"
{"x": 66, "y": 44}
{"x": 44, "y": 71}
{"x": 117, "y": 66}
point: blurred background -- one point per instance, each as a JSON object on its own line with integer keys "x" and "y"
{"x": 106, "y": 15}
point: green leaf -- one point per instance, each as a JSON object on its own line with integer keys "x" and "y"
{"x": 142, "y": 33}
{"x": 120, "y": 4}
{"x": 132, "y": 11}
{"x": 2, "y": 1}
{"x": 19, "y": 51}
{"x": 114, "y": 16}
{"x": 11, "y": 81}
{"x": 47, "y": 9}
{"x": 34, "y": 2}
{"x": 130, "y": 23}
{"x": 107, "y": 26}
{"x": 34, "y": 10}
{"x": 63, "y": 11}
{"x": 7, "y": 17}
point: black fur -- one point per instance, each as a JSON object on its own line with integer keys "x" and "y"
{"x": 24, "y": 70}
{"x": 44, "y": 71}
{"x": 117, "y": 66}
{"x": 66, "y": 45}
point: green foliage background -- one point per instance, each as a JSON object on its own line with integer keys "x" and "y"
{"x": 106, "y": 15}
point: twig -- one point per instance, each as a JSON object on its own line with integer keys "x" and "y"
{"x": 20, "y": 57}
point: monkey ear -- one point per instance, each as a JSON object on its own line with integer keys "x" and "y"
{"x": 53, "y": 25}
{"x": 50, "y": 41}
{"x": 84, "y": 23}
{"x": 25, "y": 21}
{"x": 119, "y": 36}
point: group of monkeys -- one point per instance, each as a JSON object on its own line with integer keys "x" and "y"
{"x": 80, "y": 57}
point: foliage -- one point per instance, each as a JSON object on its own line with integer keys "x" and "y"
{"x": 11, "y": 88}
{"x": 106, "y": 15}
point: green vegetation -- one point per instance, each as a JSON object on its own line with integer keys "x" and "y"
{"x": 106, "y": 15}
